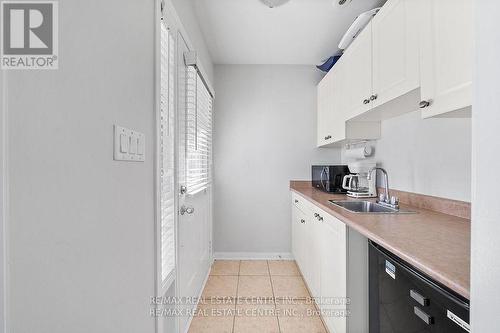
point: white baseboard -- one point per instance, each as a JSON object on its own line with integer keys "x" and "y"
{"x": 253, "y": 255}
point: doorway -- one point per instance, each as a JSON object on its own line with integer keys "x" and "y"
{"x": 184, "y": 176}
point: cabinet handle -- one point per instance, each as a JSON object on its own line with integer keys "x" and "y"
{"x": 320, "y": 218}
{"x": 366, "y": 101}
{"x": 328, "y": 137}
{"x": 302, "y": 221}
{"x": 424, "y": 316}
{"x": 424, "y": 104}
{"x": 296, "y": 201}
{"x": 373, "y": 97}
{"x": 316, "y": 215}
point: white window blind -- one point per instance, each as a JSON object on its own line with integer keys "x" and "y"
{"x": 167, "y": 162}
{"x": 198, "y": 133}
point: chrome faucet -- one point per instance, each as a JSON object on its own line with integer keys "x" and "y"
{"x": 385, "y": 199}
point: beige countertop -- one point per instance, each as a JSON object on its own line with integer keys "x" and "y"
{"x": 435, "y": 243}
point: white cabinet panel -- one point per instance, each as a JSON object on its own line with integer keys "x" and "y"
{"x": 296, "y": 235}
{"x": 323, "y": 108}
{"x": 446, "y": 55}
{"x": 301, "y": 223}
{"x": 357, "y": 81}
{"x": 337, "y": 118}
{"x": 395, "y": 50}
{"x": 333, "y": 273}
{"x": 330, "y": 119}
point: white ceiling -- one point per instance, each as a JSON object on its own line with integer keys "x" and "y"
{"x": 299, "y": 32}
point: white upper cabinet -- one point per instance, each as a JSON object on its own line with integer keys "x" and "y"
{"x": 358, "y": 80}
{"x": 336, "y": 105}
{"x": 446, "y": 57}
{"x": 395, "y": 50}
{"x": 409, "y": 44}
{"x": 331, "y": 127}
{"x": 323, "y": 109}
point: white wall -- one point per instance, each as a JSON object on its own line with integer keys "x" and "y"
{"x": 265, "y": 121}
{"x": 485, "y": 266}
{"x": 186, "y": 13}
{"x": 80, "y": 225}
{"x": 426, "y": 156}
{"x": 2, "y": 205}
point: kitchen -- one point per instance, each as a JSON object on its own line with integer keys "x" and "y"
{"x": 261, "y": 166}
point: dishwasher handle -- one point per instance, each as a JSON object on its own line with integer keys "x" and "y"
{"x": 419, "y": 298}
{"x": 422, "y": 315}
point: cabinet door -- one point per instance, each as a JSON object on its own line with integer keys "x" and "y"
{"x": 324, "y": 110}
{"x": 321, "y": 111}
{"x": 296, "y": 240}
{"x": 446, "y": 55}
{"x": 338, "y": 116}
{"x": 313, "y": 278}
{"x": 333, "y": 242}
{"x": 395, "y": 50}
{"x": 331, "y": 112}
{"x": 358, "y": 78}
{"x": 300, "y": 239}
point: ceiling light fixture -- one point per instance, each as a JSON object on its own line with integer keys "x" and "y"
{"x": 274, "y": 3}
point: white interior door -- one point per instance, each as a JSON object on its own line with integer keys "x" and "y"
{"x": 167, "y": 206}
{"x": 194, "y": 226}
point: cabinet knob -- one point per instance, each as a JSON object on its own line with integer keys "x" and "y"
{"x": 320, "y": 218}
{"x": 424, "y": 104}
{"x": 302, "y": 221}
{"x": 373, "y": 97}
{"x": 366, "y": 101}
{"x": 328, "y": 137}
{"x": 316, "y": 215}
{"x": 296, "y": 201}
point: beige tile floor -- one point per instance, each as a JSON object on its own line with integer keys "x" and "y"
{"x": 256, "y": 296}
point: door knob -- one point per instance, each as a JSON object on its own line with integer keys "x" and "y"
{"x": 183, "y": 189}
{"x": 424, "y": 104}
{"x": 186, "y": 210}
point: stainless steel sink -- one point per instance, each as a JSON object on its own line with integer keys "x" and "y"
{"x": 362, "y": 206}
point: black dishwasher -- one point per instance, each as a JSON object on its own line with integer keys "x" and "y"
{"x": 404, "y": 300}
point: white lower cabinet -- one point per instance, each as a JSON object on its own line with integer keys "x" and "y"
{"x": 333, "y": 257}
{"x": 333, "y": 261}
{"x": 314, "y": 230}
{"x": 301, "y": 223}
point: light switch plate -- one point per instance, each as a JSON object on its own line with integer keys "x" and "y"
{"x": 132, "y": 142}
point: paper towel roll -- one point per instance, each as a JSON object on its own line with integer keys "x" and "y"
{"x": 359, "y": 153}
